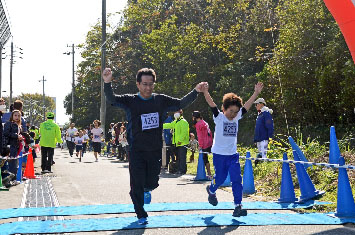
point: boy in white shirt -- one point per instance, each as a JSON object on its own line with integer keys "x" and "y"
{"x": 224, "y": 148}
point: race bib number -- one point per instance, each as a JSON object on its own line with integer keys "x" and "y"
{"x": 150, "y": 121}
{"x": 229, "y": 129}
{"x": 96, "y": 137}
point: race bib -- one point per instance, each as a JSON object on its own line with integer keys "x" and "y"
{"x": 229, "y": 129}
{"x": 150, "y": 121}
{"x": 96, "y": 137}
{"x": 80, "y": 142}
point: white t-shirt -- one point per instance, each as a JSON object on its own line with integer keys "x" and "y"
{"x": 86, "y": 138}
{"x": 96, "y": 134}
{"x": 71, "y": 134}
{"x": 225, "y": 135}
{"x": 79, "y": 140}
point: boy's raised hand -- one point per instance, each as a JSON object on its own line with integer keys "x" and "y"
{"x": 199, "y": 87}
{"x": 258, "y": 87}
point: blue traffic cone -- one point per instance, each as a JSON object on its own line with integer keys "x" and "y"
{"x": 248, "y": 176}
{"x": 345, "y": 199}
{"x": 19, "y": 169}
{"x": 227, "y": 182}
{"x": 308, "y": 191}
{"x": 287, "y": 193}
{"x": 201, "y": 173}
{"x": 298, "y": 150}
{"x": 334, "y": 152}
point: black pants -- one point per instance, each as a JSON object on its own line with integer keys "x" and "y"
{"x": 144, "y": 170}
{"x": 169, "y": 154}
{"x": 181, "y": 159}
{"x": 47, "y": 158}
{"x": 71, "y": 146}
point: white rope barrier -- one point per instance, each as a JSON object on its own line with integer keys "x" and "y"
{"x": 12, "y": 158}
{"x": 301, "y": 162}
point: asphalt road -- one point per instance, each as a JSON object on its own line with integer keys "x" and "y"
{"x": 107, "y": 182}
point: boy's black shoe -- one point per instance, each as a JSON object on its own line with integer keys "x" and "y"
{"x": 238, "y": 211}
{"x": 212, "y": 198}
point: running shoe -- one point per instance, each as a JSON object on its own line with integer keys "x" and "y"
{"x": 142, "y": 221}
{"x": 147, "y": 197}
{"x": 238, "y": 211}
{"x": 212, "y": 198}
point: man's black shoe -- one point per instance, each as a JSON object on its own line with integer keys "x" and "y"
{"x": 238, "y": 211}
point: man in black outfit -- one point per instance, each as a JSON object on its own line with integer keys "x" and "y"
{"x": 145, "y": 112}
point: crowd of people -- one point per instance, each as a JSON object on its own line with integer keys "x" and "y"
{"x": 139, "y": 141}
{"x": 17, "y": 139}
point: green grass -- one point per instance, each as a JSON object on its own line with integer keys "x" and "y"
{"x": 267, "y": 175}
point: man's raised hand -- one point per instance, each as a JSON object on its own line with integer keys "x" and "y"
{"x": 107, "y": 75}
{"x": 201, "y": 86}
{"x": 258, "y": 87}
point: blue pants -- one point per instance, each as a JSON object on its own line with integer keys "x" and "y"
{"x": 224, "y": 164}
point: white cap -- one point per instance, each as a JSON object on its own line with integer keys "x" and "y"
{"x": 260, "y": 100}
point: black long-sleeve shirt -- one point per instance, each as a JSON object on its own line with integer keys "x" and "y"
{"x": 146, "y": 116}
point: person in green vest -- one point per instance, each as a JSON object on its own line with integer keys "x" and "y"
{"x": 180, "y": 139}
{"x": 35, "y": 130}
{"x": 50, "y": 136}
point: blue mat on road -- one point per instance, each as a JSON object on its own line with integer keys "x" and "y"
{"x": 126, "y": 208}
{"x": 168, "y": 221}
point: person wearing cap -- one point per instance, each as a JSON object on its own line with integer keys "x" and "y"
{"x": 50, "y": 136}
{"x": 181, "y": 139}
{"x": 204, "y": 137}
{"x": 264, "y": 127}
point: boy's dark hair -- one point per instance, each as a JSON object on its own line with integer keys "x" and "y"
{"x": 145, "y": 71}
{"x": 32, "y": 134}
{"x": 18, "y": 104}
{"x": 231, "y": 99}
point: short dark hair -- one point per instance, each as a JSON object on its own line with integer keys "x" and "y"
{"x": 18, "y": 105}
{"x": 231, "y": 99}
{"x": 196, "y": 114}
{"x": 145, "y": 71}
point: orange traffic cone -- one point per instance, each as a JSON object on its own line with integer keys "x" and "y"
{"x": 30, "y": 170}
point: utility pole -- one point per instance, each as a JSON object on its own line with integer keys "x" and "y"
{"x": 11, "y": 63}
{"x": 103, "y": 65}
{"x": 73, "y": 86}
{"x": 73, "y": 79}
{"x": 44, "y": 99}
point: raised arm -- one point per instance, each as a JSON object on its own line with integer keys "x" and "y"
{"x": 118, "y": 100}
{"x": 257, "y": 89}
{"x": 207, "y": 95}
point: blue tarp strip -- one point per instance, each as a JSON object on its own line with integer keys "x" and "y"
{"x": 168, "y": 221}
{"x": 126, "y": 208}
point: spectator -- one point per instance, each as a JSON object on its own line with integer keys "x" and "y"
{"x": 205, "y": 139}
{"x": 17, "y": 105}
{"x": 168, "y": 143}
{"x": 180, "y": 138}
{"x": 264, "y": 128}
{"x": 12, "y": 130}
{"x": 193, "y": 147}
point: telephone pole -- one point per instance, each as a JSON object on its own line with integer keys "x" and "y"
{"x": 73, "y": 79}
{"x": 44, "y": 99}
{"x": 103, "y": 65}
